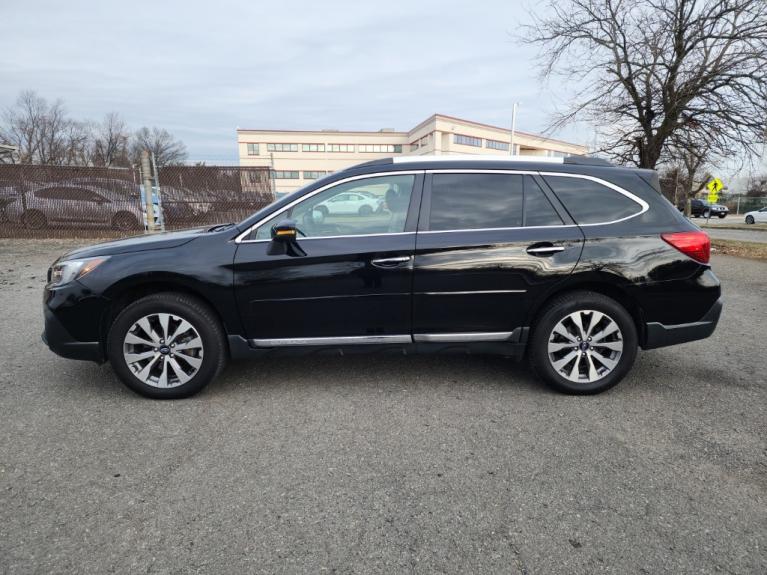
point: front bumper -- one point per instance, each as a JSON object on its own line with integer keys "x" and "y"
{"x": 61, "y": 342}
{"x": 660, "y": 335}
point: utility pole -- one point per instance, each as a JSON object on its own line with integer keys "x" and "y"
{"x": 513, "y": 128}
{"x": 147, "y": 180}
{"x": 271, "y": 175}
{"x": 159, "y": 194}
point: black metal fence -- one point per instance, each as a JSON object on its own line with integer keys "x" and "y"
{"x": 64, "y": 202}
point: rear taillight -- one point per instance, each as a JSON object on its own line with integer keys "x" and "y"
{"x": 697, "y": 245}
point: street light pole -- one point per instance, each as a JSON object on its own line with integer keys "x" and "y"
{"x": 513, "y": 128}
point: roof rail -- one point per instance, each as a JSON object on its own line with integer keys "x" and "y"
{"x": 586, "y": 161}
{"x": 475, "y": 158}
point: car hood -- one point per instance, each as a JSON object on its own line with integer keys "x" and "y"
{"x": 137, "y": 244}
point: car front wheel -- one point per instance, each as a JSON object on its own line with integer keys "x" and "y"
{"x": 583, "y": 343}
{"x": 749, "y": 219}
{"x": 167, "y": 345}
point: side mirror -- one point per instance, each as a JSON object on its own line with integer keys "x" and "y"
{"x": 285, "y": 231}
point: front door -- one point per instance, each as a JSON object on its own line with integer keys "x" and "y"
{"x": 488, "y": 244}
{"x": 347, "y": 278}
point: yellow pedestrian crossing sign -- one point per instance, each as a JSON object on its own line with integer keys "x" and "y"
{"x": 714, "y": 187}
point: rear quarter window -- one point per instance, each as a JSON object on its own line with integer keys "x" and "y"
{"x": 590, "y": 202}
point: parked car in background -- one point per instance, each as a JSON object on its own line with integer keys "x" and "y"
{"x": 701, "y": 208}
{"x": 570, "y": 262}
{"x": 757, "y": 216}
{"x": 71, "y": 204}
{"x": 359, "y": 203}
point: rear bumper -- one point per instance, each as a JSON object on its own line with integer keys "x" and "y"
{"x": 660, "y": 335}
{"x": 61, "y": 342}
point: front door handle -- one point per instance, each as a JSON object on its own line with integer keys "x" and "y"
{"x": 544, "y": 249}
{"x": 391, "y": 262}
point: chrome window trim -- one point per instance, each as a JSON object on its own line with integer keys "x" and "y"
{"x": 340, "y": 340}
{"x": 643, "y": 205}
{"x": 240, "y": 239}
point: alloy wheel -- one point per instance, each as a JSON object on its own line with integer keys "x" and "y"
{"x": 585, "y": 346}
{"x": 163, "y": 350}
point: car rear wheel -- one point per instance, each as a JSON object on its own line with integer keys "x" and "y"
{"x": 34, "y": 220}
{"x": 167, "y": 346}
{"x": 749, "y": 219}
{"x": 125, "y": 221}
{"x": 583, "y": 343}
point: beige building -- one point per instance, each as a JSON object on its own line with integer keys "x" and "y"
{"x": 298, "y": 157}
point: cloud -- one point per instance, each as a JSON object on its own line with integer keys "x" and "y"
{"x": 201, "y": 69}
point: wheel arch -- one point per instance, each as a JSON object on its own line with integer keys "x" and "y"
{"x": 128, "y": 290}
{"x": 610, "y": 288}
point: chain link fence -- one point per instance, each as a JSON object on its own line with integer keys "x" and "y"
{"x": 71, "y": 202}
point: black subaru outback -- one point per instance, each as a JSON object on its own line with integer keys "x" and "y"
{"x": 572, "y": 262}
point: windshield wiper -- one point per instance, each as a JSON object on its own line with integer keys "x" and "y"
{"x": 219, "y": 227}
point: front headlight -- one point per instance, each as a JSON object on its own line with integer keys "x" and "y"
{"x": 64, "y": 272}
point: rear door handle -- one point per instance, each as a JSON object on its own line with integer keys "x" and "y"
{"x": 391, "y": 262}
{"x": 544, "y": 249}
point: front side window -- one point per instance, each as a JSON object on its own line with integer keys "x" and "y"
{"x": 375, "y": 205}
{"x": 590, "y": 202}
{"x": 475, "y": 201}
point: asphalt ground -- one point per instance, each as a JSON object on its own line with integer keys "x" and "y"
{"x": 740, "y": 235}
{"x": 385, "y": 464}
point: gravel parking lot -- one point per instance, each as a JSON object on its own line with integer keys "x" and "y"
{"x": 385, "y": 464}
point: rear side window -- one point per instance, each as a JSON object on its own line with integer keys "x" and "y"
{"x": 538, "y": 208}
{"x": 589, "y": 202}
{"x": 475, "y": 201}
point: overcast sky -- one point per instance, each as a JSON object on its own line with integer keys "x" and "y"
{"x": 203, "y": 69}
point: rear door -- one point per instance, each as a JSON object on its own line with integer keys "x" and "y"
{"x": 488, "y": 243}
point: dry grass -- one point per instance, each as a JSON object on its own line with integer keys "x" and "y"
{"x": 751, "y": 250}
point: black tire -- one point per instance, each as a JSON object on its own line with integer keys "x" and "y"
{"x": 198, "y": 314}
{"x": 34, "y": 220}
{"x": 125, "y": 221}
{"x": 365, "y": 210}
{"x": 560, "y": 308}
{"x": 749, "y": 219}
{"x": 722, "y": 216}
{"x": 706, "y": 215}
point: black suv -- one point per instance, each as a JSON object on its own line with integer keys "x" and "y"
{"x": 573, "y": 261}
{"x": 701, "y": 208}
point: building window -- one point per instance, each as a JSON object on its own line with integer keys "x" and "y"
{"x": 556, "y": 154}
{"x": 414, "y": 146}
{"x": 313, "y": 174}
{"x": 380, "y": 148}
{"x": 282, "y": 147}
{"x": 340, "y": 147}
{"x": 312, "y": 147}
{"x": 467, "y": 140}
{"x": 252, "y": 149}
{"x": 285, "y": 174}
{"x": 497, "y": 145}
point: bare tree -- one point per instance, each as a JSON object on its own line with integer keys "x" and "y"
{"x": 167, "y": 150}
{"x": 43, "y": 133}
{"x": 650, "y": 69}
{"x": 109, "y": 145}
